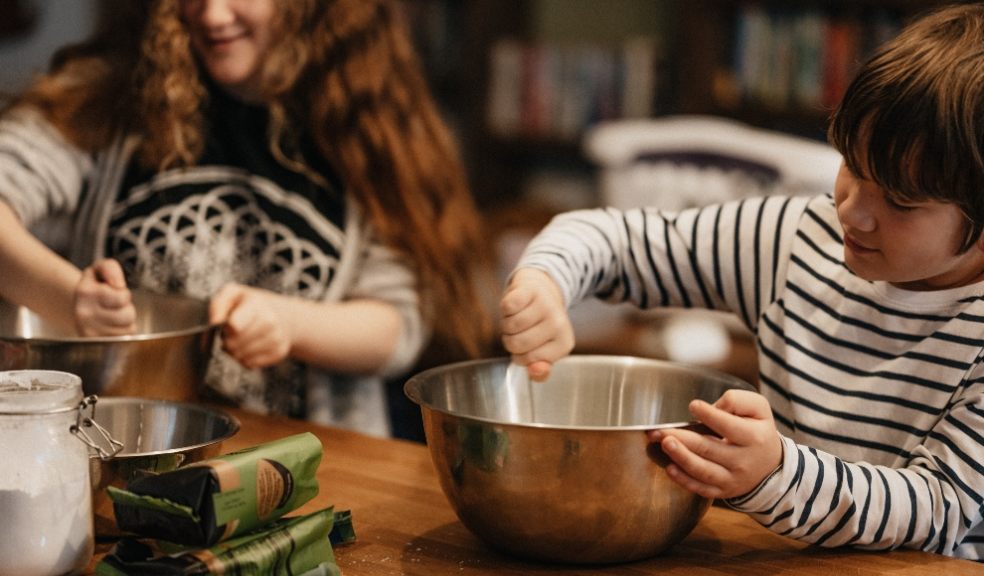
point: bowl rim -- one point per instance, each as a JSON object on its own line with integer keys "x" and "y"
{"x": 157, "y": 336}
{"x": 137, "y": 294}
{"x": 233, "y": 422}
{"x": 411, "y": 389}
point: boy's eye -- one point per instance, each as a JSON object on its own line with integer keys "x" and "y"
{"x": 895, "y": 205}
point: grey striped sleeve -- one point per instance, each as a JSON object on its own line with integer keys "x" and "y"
{"x": 387, "y": 277}
{"x": 41, "y": 173}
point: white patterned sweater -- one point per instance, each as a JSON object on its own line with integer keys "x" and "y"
{"x": 878, "y": 392}
{"x": 237, "y": 217}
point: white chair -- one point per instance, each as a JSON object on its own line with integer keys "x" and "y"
{"x": 677, "y": 162}
{"x": 674, "y": 162}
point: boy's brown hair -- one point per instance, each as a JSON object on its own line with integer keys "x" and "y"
{"x": 912, "y": 120}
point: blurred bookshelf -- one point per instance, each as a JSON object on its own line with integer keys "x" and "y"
{"x": 520, "y": 82}
{"x": 782, "y": 65}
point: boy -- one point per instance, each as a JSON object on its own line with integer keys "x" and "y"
{"x": 867, "y": 305}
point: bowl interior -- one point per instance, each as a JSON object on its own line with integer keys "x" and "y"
{"x": 150, "y": 427}
{"x": 582, "y": 392}
{"x": 157, "y": 315}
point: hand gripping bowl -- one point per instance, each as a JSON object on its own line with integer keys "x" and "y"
{"x": 561, "y": 470}
{"x": 157, "y": 436}
{"x": 166, "y": 358}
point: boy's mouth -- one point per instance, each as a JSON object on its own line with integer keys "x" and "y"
{"x": 853, "y": 245}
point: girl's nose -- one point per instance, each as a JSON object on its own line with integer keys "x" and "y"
{"x": 214, "y": 13}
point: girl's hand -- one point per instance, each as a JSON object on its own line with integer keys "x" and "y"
{"x": 747, "y": 452}
{"x": 103, "y": 303}
{"x": 535, "y": 327}
{"x": 253, "y": 331}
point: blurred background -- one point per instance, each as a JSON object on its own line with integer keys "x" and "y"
{"x": 564, "y": 104}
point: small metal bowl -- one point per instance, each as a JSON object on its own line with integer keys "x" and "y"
{"x": 166, "y": 358}
{"x": 157, "y": 436}
{"x": 562, "y": 470}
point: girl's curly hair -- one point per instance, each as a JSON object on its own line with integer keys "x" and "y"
{"x": 342, "y": 70}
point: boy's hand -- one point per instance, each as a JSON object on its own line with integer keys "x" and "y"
{"x": 535, "y": 327}
{"x": 747, "y": 452}
{"x": 103, "y": 303}
{"x": 253, "y": 332}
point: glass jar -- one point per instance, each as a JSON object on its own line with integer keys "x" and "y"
{"x": 45, "y": 494}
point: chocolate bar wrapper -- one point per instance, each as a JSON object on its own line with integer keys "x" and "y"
{"x": 213, "y": 500}
{"x": 298, "y": 546}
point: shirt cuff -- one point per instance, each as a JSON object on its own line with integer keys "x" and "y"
{"x": 768, "y": 493}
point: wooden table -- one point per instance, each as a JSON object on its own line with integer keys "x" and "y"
{"x": 405, "y": 526}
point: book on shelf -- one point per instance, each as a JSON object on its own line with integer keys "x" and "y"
{"x": 548, "y": 91}
{"x": 802, "y": 59}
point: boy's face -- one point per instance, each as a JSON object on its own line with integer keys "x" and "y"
{"x": 231, "y": 38}
{"x": 913, "y": 246}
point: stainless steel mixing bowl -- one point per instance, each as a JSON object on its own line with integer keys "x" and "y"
{"x": 166, "y": 357}
{"x": 157, "y": 436}
{"x": 562, "y": 470}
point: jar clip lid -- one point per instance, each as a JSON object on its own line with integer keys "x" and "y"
{"x": 82, "y": 422}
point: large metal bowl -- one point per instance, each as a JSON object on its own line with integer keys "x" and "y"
{"x": 166, "y": 358}
{"x": 561, "y": 470}
{"x": 157, "y": 436}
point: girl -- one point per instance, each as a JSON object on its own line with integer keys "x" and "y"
{"x": 281, "y": 157}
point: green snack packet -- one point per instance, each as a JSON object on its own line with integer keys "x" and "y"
{"x": 216, "y": 499}
{"x": 299, "y": 546}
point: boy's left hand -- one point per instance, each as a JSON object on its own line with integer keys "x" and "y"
{"x": 748, "y": 450}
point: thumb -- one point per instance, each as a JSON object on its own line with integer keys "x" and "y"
{"x": 110, "y": 272}
{"x": 222, "y": 303}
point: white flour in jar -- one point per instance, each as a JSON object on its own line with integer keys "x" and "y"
{"x": 45, "y": 495}
{"x": 46, "y": 533}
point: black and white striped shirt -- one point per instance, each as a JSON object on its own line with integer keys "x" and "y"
{"x": 878, "y": 392}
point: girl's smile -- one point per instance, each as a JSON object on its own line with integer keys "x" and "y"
{"x": 231, "y": 39}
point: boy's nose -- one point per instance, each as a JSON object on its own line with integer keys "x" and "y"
{"x": 855, "y": 212}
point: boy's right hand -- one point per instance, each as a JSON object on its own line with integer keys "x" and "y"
{"x": 103, "y": 303}
{"x": 536, "y": 329}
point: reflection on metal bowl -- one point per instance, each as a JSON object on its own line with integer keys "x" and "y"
{"x": 166, "y": 358}
{"x": 157, "y": 436}
{"x": 561, "y": 470}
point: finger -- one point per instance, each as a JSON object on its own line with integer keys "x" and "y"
{"x": 745, "y": 403}
{"x": 530, "y": 339}
{"x": 521, "y": 321}
{"x": 257, "y": 348}
{"x": 734, "y": 427}
{"x": 514, "y": 301}
{"x": 539, "y": 370}
{"x": 105, "y": 322}
{"x": 115, "y": 299}
{"x": 694, "y": 454}
{"x": 550, "y": 352}
{"x": 110, "y": 272}
{"x": 223, "y": 302}
{"x": 691, "y": 484}
{"x": 240, "y": 318}
{"x": 124, "y": 318}
{"x": 262, "y": 358}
